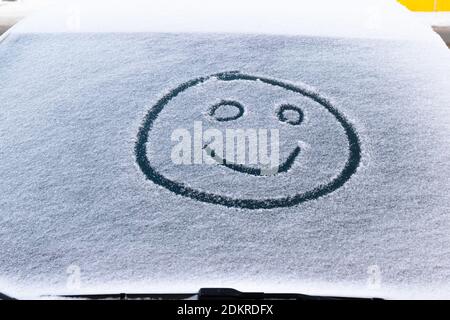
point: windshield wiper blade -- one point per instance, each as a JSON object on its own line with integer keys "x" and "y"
{"x": 132, "y": 296}
{"x": 228, "y": 293}
{"x": 5, "y": 297}
{"x": 214, "y": 294}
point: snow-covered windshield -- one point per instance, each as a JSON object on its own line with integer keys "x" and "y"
{"x": 112, "y": 180}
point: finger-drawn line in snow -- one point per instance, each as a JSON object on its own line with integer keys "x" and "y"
{"x": 350, "y": 167}
{"x": 289, "y": 107}
{"x": 213, "y": 110}
{"x": 284, "y": 167}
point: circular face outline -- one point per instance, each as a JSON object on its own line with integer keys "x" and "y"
{"x": 179, "y": 188}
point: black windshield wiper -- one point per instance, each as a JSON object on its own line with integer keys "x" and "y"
{"x": 213, "y": 294}
{"x": 5, "y": 297}
{"x": 227, "y": 293}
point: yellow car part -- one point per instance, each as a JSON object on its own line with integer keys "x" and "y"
{"x": 426, "y": 5}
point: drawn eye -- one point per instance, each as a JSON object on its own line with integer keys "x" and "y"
{"x": 290, "y": 114}
{"x": 226, "y": 110}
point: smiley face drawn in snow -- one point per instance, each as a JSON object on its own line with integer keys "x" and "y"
{"x": 324, "y": 164}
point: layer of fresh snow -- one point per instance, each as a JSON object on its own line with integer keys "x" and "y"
{"x": 439, "y": 19}
{"x": 73, "y": 196}
{"x": 344, "y": 18}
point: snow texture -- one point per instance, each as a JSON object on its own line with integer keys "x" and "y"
{"x": 74, "y": 192}
{"x": 384, "y": 19}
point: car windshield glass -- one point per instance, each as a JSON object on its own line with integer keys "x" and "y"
{"x": 274, "y": 163}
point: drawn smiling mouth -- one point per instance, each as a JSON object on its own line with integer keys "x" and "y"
{"x": 283, "y": 167}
